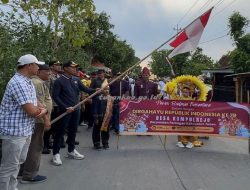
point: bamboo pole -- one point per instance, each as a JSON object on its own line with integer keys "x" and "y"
{"x": 112, "y": 81}
{"x": 171, "y": 67}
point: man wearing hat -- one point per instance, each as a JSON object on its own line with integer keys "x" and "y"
{"x": 65, "y": 94}
{"x": 18, "y": 110}
{"x": 118, "y": 89}
{"x": 144, "y": 87}
{"x": 56, "y": 70}
{"x": 99, "y": 105}
{"x": 30, "y": 168}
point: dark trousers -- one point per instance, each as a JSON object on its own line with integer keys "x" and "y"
{"x": 115, "y": 117}
{"x": 97, "y": 134}
{"x": 70, "y": 121}
{"x": 30, "y": 167}
{"x": 46, "y": 138}
{"x": 0, "y": 150}
{"x": 87, "y": 115}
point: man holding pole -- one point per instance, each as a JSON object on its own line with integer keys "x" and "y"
{"x": 65, "y": 94}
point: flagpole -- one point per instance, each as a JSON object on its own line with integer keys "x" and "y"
{"x": 112, "y": 81}
{"x": 120, "y": 76}
{"x": 171, "y": 67}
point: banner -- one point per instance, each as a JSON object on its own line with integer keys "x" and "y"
{"x": 184, "y": 117}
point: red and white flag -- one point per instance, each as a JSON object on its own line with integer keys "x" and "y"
{"x": 189, "y": 38}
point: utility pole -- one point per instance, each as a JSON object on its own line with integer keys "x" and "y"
{"x": 177, "y": 29}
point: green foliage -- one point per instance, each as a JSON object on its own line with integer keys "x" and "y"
{"x": 159, "y": 65}
{"x": 244, "y": 43}
{"x": 63, "y": 30}
{"x": 116, "y": 54}
{"x": 4, "y": 1}
{"x": 8, "y": 54}
{"x": 198, "y": 62}
{"x": 182, "y": 64}
{"x": 240, "y": 57}
{"x": 179, "y": 63}
{"x": 240, "y": 61}
{"x": 236, "y": 24}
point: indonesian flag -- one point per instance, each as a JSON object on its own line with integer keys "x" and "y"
{"x": 189, "y": 38}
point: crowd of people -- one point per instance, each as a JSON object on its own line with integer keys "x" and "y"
{"x": 38, "y": 93}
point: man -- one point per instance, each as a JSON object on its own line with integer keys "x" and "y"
{"x": 18, "y": 110}
{"x": 144, "y": 87}
{"x": 118, "y": 89}
{"x": 56, "y": 70}
{"x": 99, "y": 105}
{"x": 31, "y": 166}
{"x": 65, "y": 94}
{"x": 88, "y": 106}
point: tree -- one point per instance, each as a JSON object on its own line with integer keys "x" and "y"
{"x": 236, "y": 24}
{"x": 182, "y": 64}
{"x": 240, "y": 56}
{"x": 111, "y": 51}
{"x": 159, "y": 64}
{"x": 198, "y": 62}
{"x": 56, "y": 29}
{"x": 8, "y": 53}
{"x": 67, "y": 19}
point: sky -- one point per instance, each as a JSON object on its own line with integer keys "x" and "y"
{"x": 146, "y": 24}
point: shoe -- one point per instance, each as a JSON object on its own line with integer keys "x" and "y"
{"x": 189, "y": 145}
{"x": 84, "y": 124}
{"x": 180, "y": 144}
{"x": 75, "y": 155}
{"x": 105, "y": 146}
{"x": 37, "y": 179}
{"x": 56, "y": 160}
{"x": 97, "y": 147}
{"x": 46, "y": 151}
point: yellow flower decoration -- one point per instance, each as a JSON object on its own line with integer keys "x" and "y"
{"x": 183, "y": 81}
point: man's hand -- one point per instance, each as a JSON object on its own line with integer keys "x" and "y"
{"x": 43, "y": 111}
{"x": 47, "y": 125}
{"x": 70, "y": 109}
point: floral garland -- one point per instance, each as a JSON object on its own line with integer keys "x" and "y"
{"x": 172, "y": 87}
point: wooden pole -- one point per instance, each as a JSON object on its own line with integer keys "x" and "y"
{"x": 112, "y": 81}
{"x": 248, "y": 145}
{"x": 171, "y": 67}
{"x": 248, "y": 97}
{"x": 117, "y": 142}
{"x": 165, "y": 141}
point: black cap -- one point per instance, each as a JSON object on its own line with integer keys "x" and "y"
{"x": 93, "y": 73}
{"x": 100, "y": 71}
{"x": 69, "y": 64}
{"x": 54, "y": 62}
{"x": 43, "y": 67}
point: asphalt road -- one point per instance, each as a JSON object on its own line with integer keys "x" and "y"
{"x": 142, "y": 163}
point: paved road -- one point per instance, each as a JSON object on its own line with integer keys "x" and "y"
{"x": 142, "y": 163}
